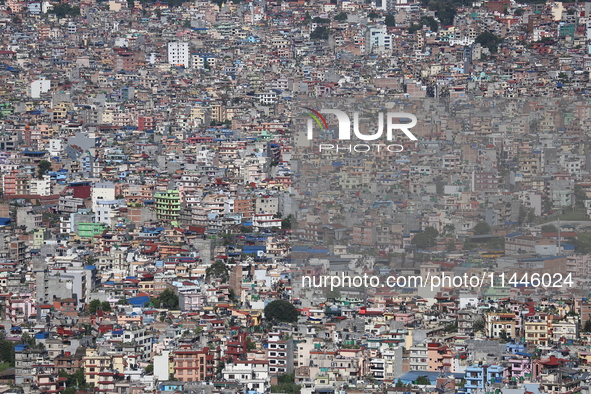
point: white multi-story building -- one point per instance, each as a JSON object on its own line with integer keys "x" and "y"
{"x": 102, "y": 191}
{"x": 178, "y": 54}
{"x": 418, "y": 357}
{"x": 267, "y": 98}
{"x": 40, "y": 86}
{"x": 388, "y": 366}
{"x": 106, "y": 211}
{"x": 41, "y": 187}
{"x": 379, "y": 39}
{"x": 279, "y": 354}
{"x": 254, "y": 374}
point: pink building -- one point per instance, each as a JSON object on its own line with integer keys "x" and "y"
{"x": 406, "y": 318}
{"x": 519, "y": 366}
{"x": 439, "y": 357}
{"x": 20, "y": 309}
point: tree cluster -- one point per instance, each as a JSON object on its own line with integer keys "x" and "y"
{"x": 167, "y": 299}
{"x": 424, "y": 21}
{"x": 94, "y": 305}
{"x": 286, "y": 384}
{"x": 65, "y": 9}
{"x": 74, "y": 381}
{"x": 582, "y": 243}
{"x": 282, "y": 311}
{"x": 217, "y": 270}
{"x": 481, "y": 228}
{"x": 426, "y": 238}
{"x": 390, "y": 21}
{"x": 489, "y": 40}
{"x": 445, "y": 10}
{"x": 43, "y": 167}
{"x": 526, "y": 215}
{"x": 341, "y": 16}
{"x": 320, "y": 33}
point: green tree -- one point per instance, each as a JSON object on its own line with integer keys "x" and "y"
{"x": 547, "y": 204}
{"x": 422, "y": 240}
{"x": 286, "y": 384}
{"x": 232, "y": 295}
{"x": 424, "y": 21}
{"x": 217, "y": 270}
{"x": 478, "y": 325}
{"x": 320, "y": 33}
{"x": 26, "y": 339}
{"x": 65, "y": 9}
{"x": 282, "y": 311}
{"x": 372, "y": 15}
{"x": 287, "y": 222}
{"x": 531, "y": 215}
{"x": 43, "y": 167}
{"x": 549, "y": 228}
{"x": 451, "y": 327}
{"x": 341, "y": 16}
{"x": 423, "y": 381}
{"x": 93, "y": 306}
{"x": 582, "y": 243}
{"x": 321, "y": 21}
{"x": 522, "y": 216}
{"x": 580, "y": 196}
{"x": 450, "y": 247}
{"x": 488, "y": 40}
{"x": 448, "y": 230}
{"x": 426, "y": 238}
{"x": 432, "y": 232}
{"x": 333, "y": 294}
{"x": 167, "y": 299}
{"x": 428, "y": 21}
{"x": 6, "y": 351}
{"x": 497, "y": 243}
{"x": 390, "y": 21}
{"x": 149, "y": 369}
{"x": 445, "y": 10}
{"x": 587, "y": 326}
{"x": 481, "y": 228}
{"x": 307, "y": 17}
{"x": 76, "y": 380}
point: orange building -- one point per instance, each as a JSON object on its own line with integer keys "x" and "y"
{"x": 192, "y": 365}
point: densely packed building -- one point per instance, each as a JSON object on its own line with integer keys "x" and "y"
{"x": 167, "y": 225}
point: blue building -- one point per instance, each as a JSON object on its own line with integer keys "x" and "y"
{"x": 515, "y": 348}
{"x": 479, "y": 376}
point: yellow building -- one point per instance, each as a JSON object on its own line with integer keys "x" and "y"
{"x": 94, "y": 364}
{"x": 536, "y": 332}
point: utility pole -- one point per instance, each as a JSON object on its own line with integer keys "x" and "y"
{"x": 558, "y": 235}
